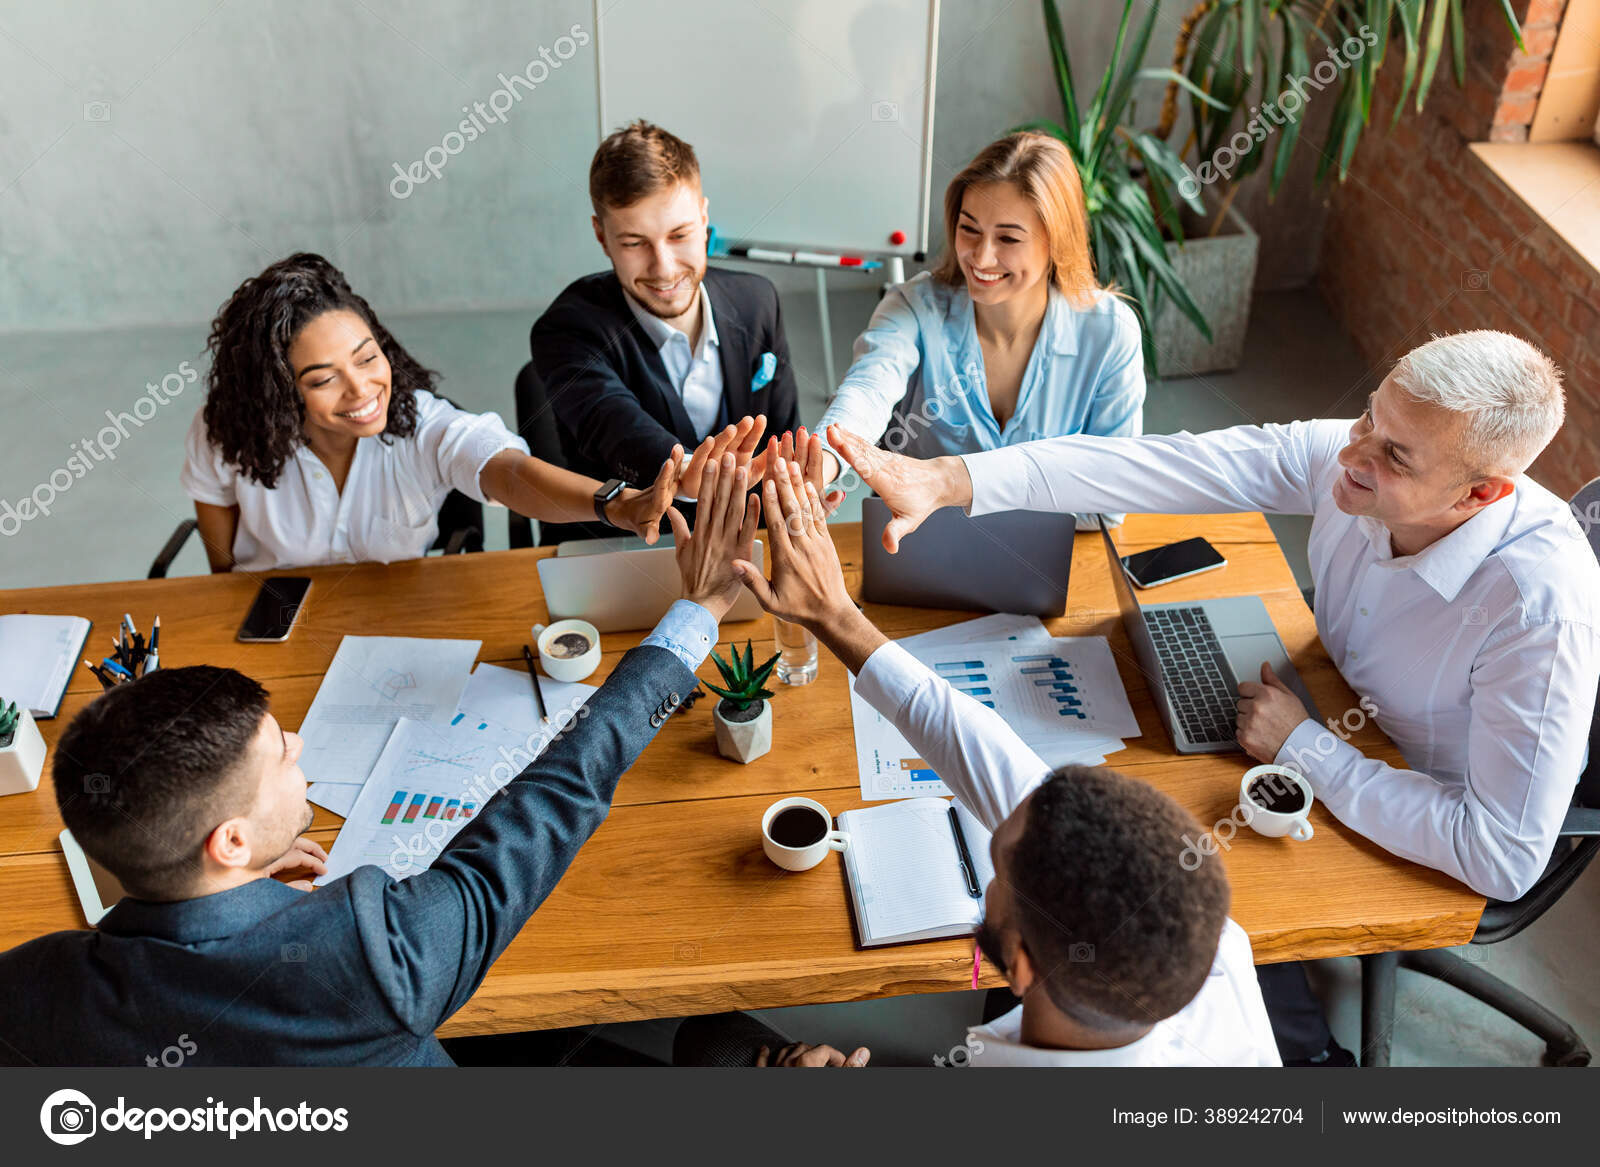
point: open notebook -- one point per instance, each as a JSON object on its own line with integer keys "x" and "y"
{"x": 37, "y": 656}
{"x": 905, "y": 871}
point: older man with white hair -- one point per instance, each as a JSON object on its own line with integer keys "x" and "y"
{"x": 1458, "y": 597}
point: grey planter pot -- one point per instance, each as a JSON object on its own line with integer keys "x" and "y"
{"x": 744, "y": 741}
{"x": 1220, "y": 273}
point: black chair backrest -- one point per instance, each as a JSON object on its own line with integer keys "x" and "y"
{"x": 459, "y": 512}
{"x": 536, "y": 422}
{"x": 1586, "y": 510}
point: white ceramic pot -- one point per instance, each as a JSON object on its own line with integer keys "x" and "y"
{"x": 22, "y": 762}
{"x": 744, "y": 741}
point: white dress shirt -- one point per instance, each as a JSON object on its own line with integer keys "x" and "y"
{"x": 697, "y": 375}
{"x": 388, "y": 510}
{"x": 1479, "y": 656}
{"x": 990, "y": 770}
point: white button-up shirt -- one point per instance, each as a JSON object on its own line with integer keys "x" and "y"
{"x": 1479, "y": 656}
{"x": 990, "y": 770}
{"x": 696, "y": 375}
{"x": 388, "y": 509}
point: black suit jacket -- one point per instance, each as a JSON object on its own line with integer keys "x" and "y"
{"x": 360, "y": 972}
{"x": 617, "y": 413}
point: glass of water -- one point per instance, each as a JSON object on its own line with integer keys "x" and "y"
{"x": 797, "y": 648}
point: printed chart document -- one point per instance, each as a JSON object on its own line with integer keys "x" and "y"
{"x": 1062, "y": 695}
{"x": 429, "y": 782}
{"x": 905, "y": 870}
{"x": 505, "y": 696}
{"x": 372, "y": 683}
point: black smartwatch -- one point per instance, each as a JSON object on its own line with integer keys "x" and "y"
{"x": 605, "y": 494}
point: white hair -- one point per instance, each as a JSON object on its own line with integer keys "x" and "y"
{"x": 1509, "y": 390}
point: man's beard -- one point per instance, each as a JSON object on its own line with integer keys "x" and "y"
{"x": 696, "y": 278}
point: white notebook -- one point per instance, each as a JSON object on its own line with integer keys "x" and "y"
{"x": 37, "y": 656}
{"x": 905, "y": 872}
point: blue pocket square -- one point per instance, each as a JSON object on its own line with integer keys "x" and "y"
{"x": 769, "y": 366}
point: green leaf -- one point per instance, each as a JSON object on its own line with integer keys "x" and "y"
{"x": 1063, "y": 67}
{"x": 1511, "y": 19}
{"x": 730, "y": 675}
{"x": 749, "y": 660}
{"x": 734, "y": 697}
{"x": 1458, "y": 47}
{"x": 764, "y": 694}
{"x": 1432, "y": 48}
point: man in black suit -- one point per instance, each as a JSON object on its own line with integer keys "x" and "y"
{"x": 184, "y": 786}
{"x": 660, "y": 350}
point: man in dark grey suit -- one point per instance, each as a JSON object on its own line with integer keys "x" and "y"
{"x": 184, "y": 786}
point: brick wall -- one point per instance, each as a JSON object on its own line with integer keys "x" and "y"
{"x": 1423, "y": 239}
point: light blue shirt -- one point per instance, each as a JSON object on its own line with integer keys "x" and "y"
{"x": 917, "y": 384}
{"x": 695, "y": 373}
{"x": 687, "y": 631}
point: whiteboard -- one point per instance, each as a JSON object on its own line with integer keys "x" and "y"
{"x": 812, "y": 119}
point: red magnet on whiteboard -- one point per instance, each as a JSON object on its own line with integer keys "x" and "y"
{"x": 897, "y": 238}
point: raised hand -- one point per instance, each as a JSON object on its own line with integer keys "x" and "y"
{"x": 724, "y": 531}
{"x": 740, "y": 439}
{"x": 805, "y": 450}
{"x": 913, "y": 488}
{"x": 640, "y": 511}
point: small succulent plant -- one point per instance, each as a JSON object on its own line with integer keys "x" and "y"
{"x": 10, "y": 718}
{"x": 743, "y": 678}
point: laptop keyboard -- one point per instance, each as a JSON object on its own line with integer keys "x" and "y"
{"x": 1197, "y": 673}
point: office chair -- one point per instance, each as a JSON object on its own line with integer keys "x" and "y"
{"x": 536, "y": 423}
{"x": 460, "y": 530}
{"x": 1575, "y": 848}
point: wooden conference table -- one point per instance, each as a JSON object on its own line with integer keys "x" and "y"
{"x": 672, "y": 908}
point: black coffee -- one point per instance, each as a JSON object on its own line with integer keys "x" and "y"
{"x": 1276, "y": 793}
{"x": 569, "y": 646}
{"x": 797, "y": 826}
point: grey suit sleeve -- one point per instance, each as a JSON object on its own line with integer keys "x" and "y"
{"x": 430, "y": 939}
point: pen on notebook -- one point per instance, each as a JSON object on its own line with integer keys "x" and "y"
{"x": 964, "y": 855}
{"x": 538, "y": 693}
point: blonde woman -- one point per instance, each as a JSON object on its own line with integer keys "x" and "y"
{"x": 1010, "y": 339}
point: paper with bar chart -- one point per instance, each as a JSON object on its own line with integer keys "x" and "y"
{"x": 1061, "y": 695}
{"x": 429, "y": 782}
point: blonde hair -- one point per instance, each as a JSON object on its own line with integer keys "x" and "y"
{"x": 1041, "y": 169}
{"x": 1509, "y": 390}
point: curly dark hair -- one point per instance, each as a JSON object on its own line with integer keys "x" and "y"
{"x": 253, "y": 411}
{"x": 1118, "y": 927}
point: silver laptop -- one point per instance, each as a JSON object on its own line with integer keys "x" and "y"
{"x": 1012, "y": 561}
{"x": 1195, "y": 654}
{"x": 617, "y": 590}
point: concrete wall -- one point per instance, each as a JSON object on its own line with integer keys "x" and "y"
{"x": 153, "y": 155}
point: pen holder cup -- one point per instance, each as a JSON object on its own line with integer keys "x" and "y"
{"x": 569, "y": 650}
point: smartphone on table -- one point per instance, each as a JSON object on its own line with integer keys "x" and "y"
{"x": 276, "y": 608}
{"x": 1161, "y": 565}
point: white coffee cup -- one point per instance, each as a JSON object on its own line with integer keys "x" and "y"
{"x": 1272, "y": 823}
{"x": 800, "y": 858}
{"x": 567, "y": 668}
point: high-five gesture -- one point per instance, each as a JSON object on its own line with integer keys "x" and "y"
{"x": 724, "y": 531}
{"x": 740, "y": 439}
{"x": 807, "y": 585}
{"x": 912, "y": 488}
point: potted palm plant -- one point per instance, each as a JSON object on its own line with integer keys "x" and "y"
{"x": 1261, "y": 64}
{"x": 1132, "y": 180}
{"x": 21, "y": 750}
{"x": 743, "y": 718}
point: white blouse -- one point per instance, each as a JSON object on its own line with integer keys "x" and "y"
{"x": 388, "y": 509}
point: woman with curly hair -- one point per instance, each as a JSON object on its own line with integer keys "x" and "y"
{"x": 321, "y": 439}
